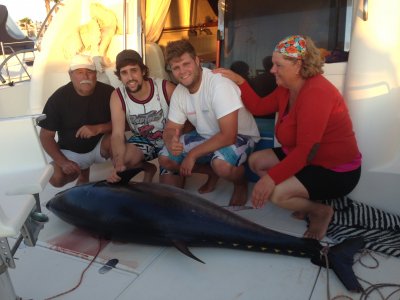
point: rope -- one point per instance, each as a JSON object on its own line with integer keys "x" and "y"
{"x": 367, "y": 292}
{"x": 82, "y": 274}
{"x": 324, "y": 252}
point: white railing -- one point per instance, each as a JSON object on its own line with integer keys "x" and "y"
{"x": 15, "y": 65}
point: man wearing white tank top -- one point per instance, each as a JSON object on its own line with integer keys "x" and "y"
{"x": 142, "y": 103}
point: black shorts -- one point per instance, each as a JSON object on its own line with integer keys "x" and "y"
{"x": 322, "y": 183}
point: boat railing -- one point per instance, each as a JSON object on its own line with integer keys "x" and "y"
{"x": 46, "y": 23}
{"x": 15, "y": 65}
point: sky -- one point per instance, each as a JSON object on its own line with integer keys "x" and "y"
{"x": 19, "y": 9}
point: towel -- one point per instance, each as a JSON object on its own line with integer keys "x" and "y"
{"x": 380, "y": 229}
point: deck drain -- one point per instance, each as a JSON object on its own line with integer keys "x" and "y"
{"x": 108, "y": 266}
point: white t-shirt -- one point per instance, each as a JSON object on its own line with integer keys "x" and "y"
{"x": 216, "y": 98}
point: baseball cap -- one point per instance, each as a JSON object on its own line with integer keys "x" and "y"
{"x": 82, "y": 62}
{"x": 128, "y": 55}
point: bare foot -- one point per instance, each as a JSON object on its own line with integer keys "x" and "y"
{"x": 239, "y": 196}
{"x": 210, "y": 184}
{"x": 319, "y": 222}
{"x": 299, "y": 215}
{"x": 149, "y": 171}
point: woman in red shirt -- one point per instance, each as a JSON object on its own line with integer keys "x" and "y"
{"x": 318, "y": 158}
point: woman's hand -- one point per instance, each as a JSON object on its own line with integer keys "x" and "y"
{"x": 262, "y": 191}
{"x": 236, "y": 78}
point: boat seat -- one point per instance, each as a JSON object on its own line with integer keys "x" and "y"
{"x": 155, "y": 61}
{"x": 24, "y": 172}
{"x": 24, "y": 168}
{"x": 14, "y": 210}
{"x": 335, "y": 73}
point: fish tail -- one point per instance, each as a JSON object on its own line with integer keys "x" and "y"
{"x": 340, "y": 260}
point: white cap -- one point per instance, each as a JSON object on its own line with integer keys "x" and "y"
{"x": 82, "y": 62}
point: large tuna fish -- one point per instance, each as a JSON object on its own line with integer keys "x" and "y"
{"x": 163, "y": 215}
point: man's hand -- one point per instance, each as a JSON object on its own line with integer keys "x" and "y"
{"x": 262, "y": 191}
{"x": 176, "y": 147}
{"x": 187, "y": 165}
{"x": 70, "y": 167}
{"x": 114, "y": 176}
{"x": 87, "y": 131}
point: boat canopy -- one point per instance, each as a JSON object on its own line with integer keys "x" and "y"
{"x": 11, "y": 37}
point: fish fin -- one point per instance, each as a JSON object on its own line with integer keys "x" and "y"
{"x": 181, "y": 246}
{"x": 127, "y": 175}
{"x": 340, "y": 259}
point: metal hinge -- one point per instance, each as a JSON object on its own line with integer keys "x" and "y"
{"x": 6, "y": 254}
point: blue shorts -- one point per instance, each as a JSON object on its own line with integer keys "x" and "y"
{"x": 235, "y": 155}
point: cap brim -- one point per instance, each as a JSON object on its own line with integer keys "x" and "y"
{"x": 89, "y": 67}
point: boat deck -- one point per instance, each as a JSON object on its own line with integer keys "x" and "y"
{"x": 150, "y": 272}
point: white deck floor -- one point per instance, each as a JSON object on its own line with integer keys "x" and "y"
{"x": 149, "y": 272}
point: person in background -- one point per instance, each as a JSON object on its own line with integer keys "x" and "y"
{"x": 141, "y": 102}
{"x": 264, "y": 83}
{"x": 319, "y": 157}
{"x": 241, "y": 68}
{"x": 224, "y": 133}
{"x": 79, "y": 112}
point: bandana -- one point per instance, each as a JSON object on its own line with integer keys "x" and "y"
{"x": 293, "y": 46}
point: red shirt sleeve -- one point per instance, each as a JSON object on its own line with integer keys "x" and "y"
{"x": 258, "y": 106}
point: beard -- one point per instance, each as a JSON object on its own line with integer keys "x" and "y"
{"x": 194, "y": 83}
{"x": 137, "y": 89}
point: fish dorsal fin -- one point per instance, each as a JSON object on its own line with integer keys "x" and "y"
{"x": 181, "y": 246}
{"x": 127, "y": 175}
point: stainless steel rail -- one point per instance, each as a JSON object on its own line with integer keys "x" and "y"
{"x": 365, "y": 10}
{"x": 4, "y": 66}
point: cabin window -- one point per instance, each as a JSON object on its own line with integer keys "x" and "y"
{"x": 252, "y": 28}
{"x": 195, "y": 20}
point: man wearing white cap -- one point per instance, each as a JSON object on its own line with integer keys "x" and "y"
{"x": 79, "y": 112}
